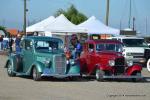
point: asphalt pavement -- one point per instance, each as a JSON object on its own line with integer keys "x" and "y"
{"x": 24, "y": 88}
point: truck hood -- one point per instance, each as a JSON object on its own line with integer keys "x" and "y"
{"x": 134, "y": 49}
{"x": 110, "y": 55}
{"x": 48, "y": 54}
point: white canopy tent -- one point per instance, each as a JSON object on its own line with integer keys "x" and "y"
{"x": 38, "y": 27}
{"x": 94, "y": 26}
{"x": 2, "y": 32}
{"x": 62, "y": 26}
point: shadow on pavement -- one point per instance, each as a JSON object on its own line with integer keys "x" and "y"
{"x": 68, "y": 79}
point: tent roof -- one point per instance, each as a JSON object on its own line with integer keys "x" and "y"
{"x": 61, "y": 25}
{"x": 94, "y": 26}
{"x": 2, "y": 32}
{"x": 40, "y": 25}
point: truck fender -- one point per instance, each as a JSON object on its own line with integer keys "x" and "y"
{"x": 40, "y": 66}
{"x": 103, "y": 67}
{"x": 134, "y": 68}
{"x": 9, "y": 60}
{"x": 100, "y": 67}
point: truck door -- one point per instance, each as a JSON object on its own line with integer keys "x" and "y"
{"x": 28, "y": 55}
{"x": 90, "y": 57}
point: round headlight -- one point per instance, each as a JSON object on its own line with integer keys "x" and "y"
{"x": 129, "y": 62}
{"x": 72, "y": 62}
{"x": 111, "y": 63}
{"x": 47, "y": 61}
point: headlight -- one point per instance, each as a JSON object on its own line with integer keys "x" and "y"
{"x": 72, "y": 62}
{"x": 111, "y": 63}
{"x": 129, "y": 62}
{"x": 47, "y": 61}
{"x": 128, "y": 54}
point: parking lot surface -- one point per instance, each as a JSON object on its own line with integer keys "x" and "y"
{"x": 24, "y": 88}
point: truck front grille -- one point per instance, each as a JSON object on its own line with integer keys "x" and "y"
{"x": 60, "y": 64}
{"x": 147, "y": 54}
{"x": 119, "y": 65}
{"x": 119, "y": 62}
{"x": 137, "y": 55}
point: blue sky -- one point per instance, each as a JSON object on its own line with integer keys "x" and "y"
{"x": 11, "y": 11}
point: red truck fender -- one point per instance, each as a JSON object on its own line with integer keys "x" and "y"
{"x": 134, "y": 68}
{"x": 103, "y": 67}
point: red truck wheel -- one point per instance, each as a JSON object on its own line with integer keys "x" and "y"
{"x": 99, "y": 75}
{"x": 136, "y": 79}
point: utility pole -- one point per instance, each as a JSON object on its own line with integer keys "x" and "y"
{"x": 130, "y": 11}
{"x": 133, "y": 23}
{"x": 107, "y": 13}
{"x": 25, "y": 9}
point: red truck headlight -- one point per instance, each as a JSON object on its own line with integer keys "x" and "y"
{"x": 111, "y": 63}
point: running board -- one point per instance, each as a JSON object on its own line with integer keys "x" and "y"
{"x": 122, "y": 76}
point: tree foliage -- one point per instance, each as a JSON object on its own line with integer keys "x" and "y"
{"x": 72, "y": 14}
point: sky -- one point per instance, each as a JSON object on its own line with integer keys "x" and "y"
{"x": 11, "y": 12}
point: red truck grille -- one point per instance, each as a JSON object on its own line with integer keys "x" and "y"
{"x": 119, "y": 62}
{"x": 119, "y": 65}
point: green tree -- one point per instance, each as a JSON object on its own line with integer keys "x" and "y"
{"x": 72, "y": 14}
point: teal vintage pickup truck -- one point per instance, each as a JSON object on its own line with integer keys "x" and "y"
{"x": 41, "y": 56}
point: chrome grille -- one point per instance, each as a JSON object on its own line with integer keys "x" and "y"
{"x": 147, "y": 54}
{"x": 60, "y": 64}
{"x": 137, "y": 54}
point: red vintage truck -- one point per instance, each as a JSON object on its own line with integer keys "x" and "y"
{"x": 104, "y": 59}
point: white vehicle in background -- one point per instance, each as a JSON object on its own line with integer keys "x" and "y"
{"x": 135, "y": 48}
{"x": 148, "y": 65}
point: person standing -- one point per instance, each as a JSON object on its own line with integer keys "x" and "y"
{"x": 78, "y": 49}
{"x": 17, "y": 42}
{"x": 1, "y": 40}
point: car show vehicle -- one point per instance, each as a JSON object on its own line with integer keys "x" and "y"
{"x": 135, "y": 48}
{"x": 41, "y": 56}
{"x": 148, "y": 65}
{"x": 104, "y": 59}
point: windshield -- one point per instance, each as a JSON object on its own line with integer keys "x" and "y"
{"x": 109, "y": 47}
{"x": 48, "y": 46}
{"x": 134, "y": 42}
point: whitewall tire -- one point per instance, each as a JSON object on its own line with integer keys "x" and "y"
{"x": 148, "y": 65}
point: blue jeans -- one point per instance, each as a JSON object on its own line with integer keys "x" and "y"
{"x": 18, "y": 49}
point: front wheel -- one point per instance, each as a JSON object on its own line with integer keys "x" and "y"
{"x": 148, "y": 65}
{"x": 10, "y": 70}
{"x": 99, "y": 75}
{"x": 136, "y": 74}
{"x": 36, "y": 74}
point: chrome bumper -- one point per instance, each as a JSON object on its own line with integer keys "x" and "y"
{"x": 60, "y": 75}
{"x": 122, "y": 76}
